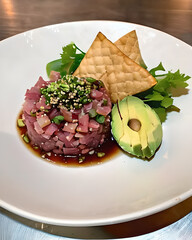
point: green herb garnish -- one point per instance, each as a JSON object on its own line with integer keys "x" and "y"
{"x": 160, "y": 97}
{"x": 69, "y": 61}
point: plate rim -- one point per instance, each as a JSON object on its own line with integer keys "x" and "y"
{"x": 102, "y": 222}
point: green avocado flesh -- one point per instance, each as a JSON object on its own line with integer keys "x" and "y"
{"x": 136, "y": 127}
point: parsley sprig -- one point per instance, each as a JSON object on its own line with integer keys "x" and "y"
{"x": 160, "y": 97}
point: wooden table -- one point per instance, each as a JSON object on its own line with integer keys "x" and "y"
{"x": 171, "y": 16}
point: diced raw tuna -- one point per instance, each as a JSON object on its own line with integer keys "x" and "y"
{"x": 46, "y": 136}
{"x": 35, "y": 138}
{"x": 81, "y": 146}
{"x": 62, "y": 135}
{"x": 29, "y": 106}
{"x": 88, "y": 138}
{"x": 48, "y": 145}
{"x": 58, "y": 151}
{"x": 70, "y": 127}
{"x": 105, "y": 110}
{"x": 43, "y": 121}
{"x": 71, "y": 151}
{"x": 51, "y": 129}
{"x": 95, "y": 104}
{"x": 53, "y": 113}
{"x": 83, "y": 123}
{"x": 33, "y": 94}
{"x": 84, "y": 151}
{"x": 69, "y": 137}
{"x": 93, "y": 124}
{"x": 41, "y": 83}
{"x": 77, "y": 133}
{"x": 95, "y": 94}
{"x": 54, "y": 76}
{"x": 59, "y": 144}
{"x": 42, "y": 104}
{"x": 87, "y": 107}
{"x": 66, "y": 114}
{"x": 37, "y": 128}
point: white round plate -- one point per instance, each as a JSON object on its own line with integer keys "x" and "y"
{"x": 121, "y": 189}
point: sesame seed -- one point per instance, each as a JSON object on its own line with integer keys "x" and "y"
{"x": 91, "y": 152}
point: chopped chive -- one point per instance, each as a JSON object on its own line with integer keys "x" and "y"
{"x": 100, "y": 154}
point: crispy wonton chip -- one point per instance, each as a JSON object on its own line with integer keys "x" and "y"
{"x": 121, "y": 75}
{"x": 129, "y": 45}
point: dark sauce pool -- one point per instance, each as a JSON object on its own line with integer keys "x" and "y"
{"x": 109, "y": 147}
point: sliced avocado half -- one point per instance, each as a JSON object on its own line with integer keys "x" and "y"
{"x": 136, "y": 127}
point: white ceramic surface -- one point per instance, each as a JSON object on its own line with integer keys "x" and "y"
{"x": 118, "y": 190}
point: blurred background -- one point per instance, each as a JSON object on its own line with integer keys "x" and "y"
{"x": 171, "y": 16}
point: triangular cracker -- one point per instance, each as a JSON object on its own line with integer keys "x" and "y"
{"x": 129, "y": 45}
{"x": 121, "y": 75}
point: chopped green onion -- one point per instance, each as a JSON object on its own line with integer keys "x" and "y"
{"x": 100, "y": 118}
{"x": 58, "y": 119}
{"x": 100, "y": 154}
{"x": 32, "y": 114}
{"x": 20, "y": 123}
{"x": 104, "y": 102}
{"x": 25, "y": 138}
{"x": 81, "y": 159}
{"x": 92, "y": 113}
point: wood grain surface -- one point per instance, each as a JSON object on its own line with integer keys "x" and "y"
{"x": 171, "y": 16}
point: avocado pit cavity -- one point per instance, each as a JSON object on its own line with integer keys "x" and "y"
{"x": 134, "y": 124}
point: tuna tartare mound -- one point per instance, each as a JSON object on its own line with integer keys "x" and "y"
{"x": 67, "y": 116}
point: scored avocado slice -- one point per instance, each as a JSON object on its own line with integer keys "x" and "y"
{"x": 119, "y": 131}
{"x": 136, "y": 127}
